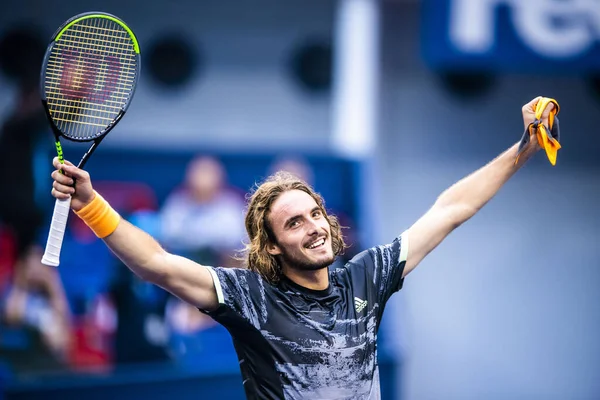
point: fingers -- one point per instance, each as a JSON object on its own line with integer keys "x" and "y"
{"x": 531, "y": 106}
{"x": 59, "y": 195}
{"x": 65, "y": 177}
{"x": 70, "y": 170}
{"x": 62, "y": 179}
{"x": 62, "y": 187}
{"x": 529, "y": 110}
{"x": 547, "y": 111}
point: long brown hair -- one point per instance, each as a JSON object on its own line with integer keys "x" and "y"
{"x": 255, "y": 254}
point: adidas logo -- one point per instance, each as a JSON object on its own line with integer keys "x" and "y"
{"x": 359, "y": 304}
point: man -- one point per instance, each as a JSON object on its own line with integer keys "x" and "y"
{"x": 300, "y": 329}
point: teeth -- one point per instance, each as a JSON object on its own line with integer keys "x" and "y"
{"x": 317, "y": 243}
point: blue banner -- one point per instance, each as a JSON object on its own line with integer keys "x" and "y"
{"x": 556, "y": 36}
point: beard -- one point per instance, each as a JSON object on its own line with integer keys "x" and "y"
{"x": 303, "y": 263}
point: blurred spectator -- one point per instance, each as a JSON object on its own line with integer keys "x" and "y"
{"x": 294, "y": 165}
{"x": 141, "y": 334}
{"x": 35, "y": 321}
{"x": 111, "y": 306}
{"x": 140, "y": 307}
{"x": 34, "y": 309}
{"x": 21, "y": 55}
{"x": 85, "y": 270}
{"x": 7, "y": 257}
{"x": 194, "y": 338}
{"x": 204, "y": 219}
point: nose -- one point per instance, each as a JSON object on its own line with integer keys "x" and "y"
{"x": 312, "y": 228}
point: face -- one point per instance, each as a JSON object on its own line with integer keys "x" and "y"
{"x": 205, "y": 178}
{"x": 302, "y": 232}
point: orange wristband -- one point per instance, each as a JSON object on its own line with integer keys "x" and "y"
{"x": 99, "y": 216}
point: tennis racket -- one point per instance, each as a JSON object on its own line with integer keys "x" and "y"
{"x": 88, "y": 79}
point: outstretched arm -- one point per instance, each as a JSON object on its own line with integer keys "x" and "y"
{"x": 466, "y": 197}
{"x": 142, "y": 254}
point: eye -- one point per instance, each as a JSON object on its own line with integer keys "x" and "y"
{"x": 294, "y": 224}
{"x": 317, "y": 214}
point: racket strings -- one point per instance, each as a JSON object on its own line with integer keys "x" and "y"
{"x": 90, "y": 77}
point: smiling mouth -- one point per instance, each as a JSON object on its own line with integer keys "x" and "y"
{"x": 317, "y": 244}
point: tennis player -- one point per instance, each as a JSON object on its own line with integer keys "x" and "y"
{"x": 301, "y": 330}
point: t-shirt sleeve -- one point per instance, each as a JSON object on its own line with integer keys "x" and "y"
{"x": 241, "y": 296}
{"x": 383, "y": 266}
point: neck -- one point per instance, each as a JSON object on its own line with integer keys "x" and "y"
{"x": 314, "y": 280}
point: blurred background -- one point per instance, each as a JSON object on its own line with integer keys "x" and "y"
{"x": 381, "y": 105}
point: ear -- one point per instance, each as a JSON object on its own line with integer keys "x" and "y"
{"x": 273, "y": 249}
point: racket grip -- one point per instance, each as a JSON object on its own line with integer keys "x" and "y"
{"x": 57, "y": 232}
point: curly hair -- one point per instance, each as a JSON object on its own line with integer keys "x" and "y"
{"x": 260, "y": 234}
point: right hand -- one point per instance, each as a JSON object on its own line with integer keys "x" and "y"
{"x": 62, "y": 187}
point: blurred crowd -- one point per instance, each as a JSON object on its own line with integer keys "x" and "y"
{"x": 91, "y": 313}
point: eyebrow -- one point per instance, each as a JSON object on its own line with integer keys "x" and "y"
{"x": 295, "y": 217}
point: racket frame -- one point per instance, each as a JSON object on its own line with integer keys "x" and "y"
{"x": 60, "y": 214}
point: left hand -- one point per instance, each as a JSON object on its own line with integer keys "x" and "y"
{"x": 528, "y": 111}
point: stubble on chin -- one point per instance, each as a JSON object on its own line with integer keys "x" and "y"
{"x": 305, "y": 264}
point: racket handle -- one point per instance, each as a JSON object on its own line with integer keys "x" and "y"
{"x": 57, "y": 232}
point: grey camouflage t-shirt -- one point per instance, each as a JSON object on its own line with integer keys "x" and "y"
{"x": 297, "y": 343}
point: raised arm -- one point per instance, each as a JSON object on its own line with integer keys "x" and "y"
{"x": 466, "y": 197}
{"x": 184, "y": 278}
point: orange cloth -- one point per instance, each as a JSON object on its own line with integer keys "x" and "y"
{"x": 547, "y": 136}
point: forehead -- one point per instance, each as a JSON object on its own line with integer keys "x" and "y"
{"x": 290, "y": 204}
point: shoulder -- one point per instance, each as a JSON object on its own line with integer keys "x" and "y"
{"x": 238, "y": 281}
{"x": 389, "y": 253}
{"x": 235, "y": 274}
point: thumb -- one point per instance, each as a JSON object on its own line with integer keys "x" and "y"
{"x": 58, "y": 165}
{"x": 530, "y": 107}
